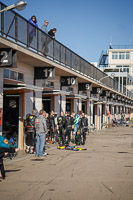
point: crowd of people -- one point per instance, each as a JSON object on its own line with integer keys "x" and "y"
{"x": 44, "y": 39}
{"x": 63, "y": 129}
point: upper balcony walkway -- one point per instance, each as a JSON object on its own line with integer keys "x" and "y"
{"x": 17, "y": 29}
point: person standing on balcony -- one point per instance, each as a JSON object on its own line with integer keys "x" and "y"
{"x": 44, "y": 38}
{"x": 45, "y": 26}
{"x": 32, "y": 29}
{"x": 52, "y": 32}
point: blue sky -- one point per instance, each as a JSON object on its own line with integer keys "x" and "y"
{"x": 86, "y": 27}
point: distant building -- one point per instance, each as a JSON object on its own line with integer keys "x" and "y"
{"x": 118, "y": 62}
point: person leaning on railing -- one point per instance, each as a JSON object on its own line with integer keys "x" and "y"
{"x": 52, "y": 32}
{"x": 32, "y": 29}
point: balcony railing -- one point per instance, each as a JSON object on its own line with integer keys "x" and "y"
{"x": 16, "y": 28}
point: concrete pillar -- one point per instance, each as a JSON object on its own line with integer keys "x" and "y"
{"x": 120, "y": 110}
{"x": 126, "y": 112}
{"x": 38, "y": 101}
{"x": 99, "y": 112}
{"x": 117, "y": 112}
{"x": 63, "y": 104}
{"x": 28, "y": 102}
{"x": 113, "y": 114}
{"x": 57, "y": 105}
{"x": 77, "y": 105}
{"x": 1, "y": 98}
{"x": 89, "y": 112}
{"x": 80, "y": 104}
{"x": 124, "y": 109}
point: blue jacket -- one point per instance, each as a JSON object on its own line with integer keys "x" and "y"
{"x": 32, "y": 30}
{"x": 4, "y": 143}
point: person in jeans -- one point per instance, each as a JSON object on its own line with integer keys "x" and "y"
{"x": 41, "y": 131}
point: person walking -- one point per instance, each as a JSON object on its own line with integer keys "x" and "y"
{"x": 41, "y": 131}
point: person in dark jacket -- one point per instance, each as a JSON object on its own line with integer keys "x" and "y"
{"x": 52, "y": 32}
{"x": 84, "y": 127}
{"x": 52, "y": 126}
{"x": 61, "y": 128}
{"x": 68, "y": 127}
{"x": 30, "y": 132}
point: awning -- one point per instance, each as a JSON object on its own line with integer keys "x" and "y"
{"x": 92, "y": 99}
{"x": 55, "y": 92}
{"x": 76, "y": 96}
{"x": 118, "y": 104}
{"x": 100, "y": 102}
{"x": 19, "y": 87}
{"x": 127, "y": 106}
{"x": 109, "y": 103}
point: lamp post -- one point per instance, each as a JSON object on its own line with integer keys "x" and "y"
{"x": 19, "y": 5}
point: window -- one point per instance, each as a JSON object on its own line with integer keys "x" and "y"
{"x": 17, "y": 76}
{"x": 127, "y": 55}
{"x": 47, "y": 84}
{"x": 13, "y": 75}
{"x": 111, "y": 70}
{"x": 120, "y": 55}
{"x": 6, "y": 73}
{"x": 114, "y": 55}
{"x": 20, "y": 77}
{"x": 123, "y": 68}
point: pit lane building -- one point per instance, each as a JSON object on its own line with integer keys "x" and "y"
{"x": 60, "y": 81}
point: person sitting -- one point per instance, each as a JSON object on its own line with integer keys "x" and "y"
{"x": 114, "y": 122}
{"x": 5, "y": 148}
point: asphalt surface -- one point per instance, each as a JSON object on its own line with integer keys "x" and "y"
{"x": 102, "y": 172}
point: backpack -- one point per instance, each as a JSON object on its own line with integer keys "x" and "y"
{"x": 30, "y": 123}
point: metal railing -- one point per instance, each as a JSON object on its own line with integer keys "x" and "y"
{"x": 18, "y": 29}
